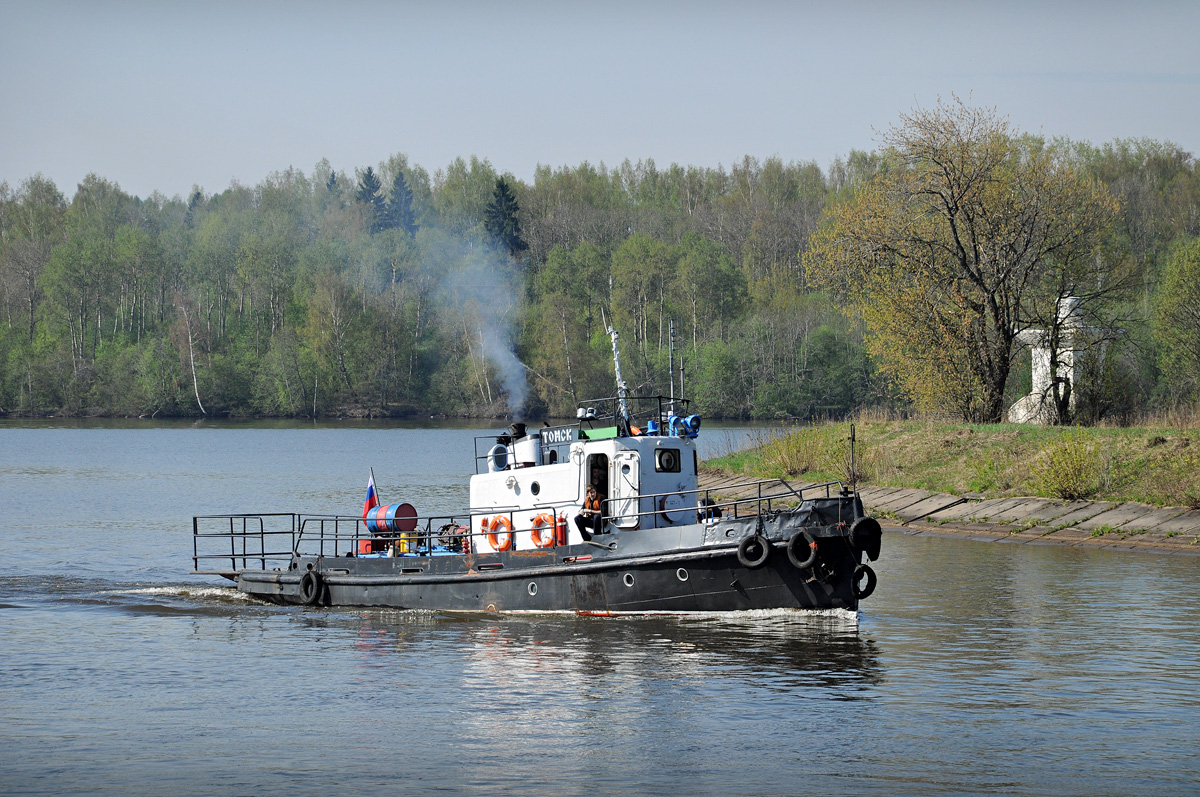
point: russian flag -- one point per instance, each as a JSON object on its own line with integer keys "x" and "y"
{"x": 372, "y": 497}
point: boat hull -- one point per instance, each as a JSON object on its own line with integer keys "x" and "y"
{"x": 582, "y": 578}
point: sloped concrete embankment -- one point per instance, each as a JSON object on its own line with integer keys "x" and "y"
{"x": 1099, "y": 524}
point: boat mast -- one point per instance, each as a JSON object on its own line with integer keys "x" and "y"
{"x": 622, "y": 389}
{"x": 671, "y": 364}
{"x": 853, "y": 463}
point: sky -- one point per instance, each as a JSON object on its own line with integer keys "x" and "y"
{"x": 162, "y": 96}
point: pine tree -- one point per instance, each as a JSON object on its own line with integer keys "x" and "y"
{"x": 370, "y": 193}
{"x": 500, "y": 219}
{"x": 193, "y": 202}
{"x": 400, "y": 213}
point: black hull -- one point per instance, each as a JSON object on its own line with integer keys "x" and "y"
{"x": 563, "y": 579}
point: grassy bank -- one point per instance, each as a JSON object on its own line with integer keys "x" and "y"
{"x": 1155, "y": 464}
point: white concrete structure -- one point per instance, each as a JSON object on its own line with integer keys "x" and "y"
{"x": 1037, "y": 407}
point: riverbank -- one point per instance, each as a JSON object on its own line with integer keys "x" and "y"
{"x": 1157, "y": 464}
{"x": 1127, "y": 525}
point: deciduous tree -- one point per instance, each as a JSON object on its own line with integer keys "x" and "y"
{"x": 946, "y": 248}
{"x": 1177, "y": 321}
{"x": 33, "y": 224}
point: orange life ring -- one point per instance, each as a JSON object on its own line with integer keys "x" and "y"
{"x": 504, "y": 540}
{"x": 544, "y": 531}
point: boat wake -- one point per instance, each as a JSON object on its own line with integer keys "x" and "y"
{"x": 206, "y": 594}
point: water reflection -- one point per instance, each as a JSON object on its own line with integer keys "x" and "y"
{"x": 779, "y": 651}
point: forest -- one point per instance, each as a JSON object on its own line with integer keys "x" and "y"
{"x": 390, "y": 291}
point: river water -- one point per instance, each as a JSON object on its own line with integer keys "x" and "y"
{"x": 975, "y": 667}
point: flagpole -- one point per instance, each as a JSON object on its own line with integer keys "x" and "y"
{"x": 373, "y": 482}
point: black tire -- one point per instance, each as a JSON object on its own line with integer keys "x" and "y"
{"x": 802, "y": 550}
{"x": 866, "y": 536}
{"x": 310, "y": 588}
{"x": 866, "y": 590}
{"x": 754, "y": 551}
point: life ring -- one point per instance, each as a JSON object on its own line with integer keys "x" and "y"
{"x": 754, "y": 551}
{"x": 504, "y": 540}
{"x": 865, "y": 590}
{"x": 310, "y": 587}
{"x": 544, "y": 530}
{"x": 802, "y": 550}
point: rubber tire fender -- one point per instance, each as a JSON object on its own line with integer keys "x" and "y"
{"x": 746, "y": 551}
{"x": 865, "y": 590}
{"x": 310, "y": 588}
{"x": 866, "y": 535}
{"x": 802, "y": 550}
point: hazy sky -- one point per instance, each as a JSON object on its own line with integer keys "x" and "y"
{"x": 164, "y": 95}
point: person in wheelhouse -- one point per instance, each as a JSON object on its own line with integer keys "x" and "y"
{"x": 590, "y": 518}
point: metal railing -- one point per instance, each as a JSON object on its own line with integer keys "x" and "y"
{"x": 258, "y": 540}
{"x": 709, "y": 509}
{"x": 343, "y": 535}
{"x": 600, "y": 412}
{"x": 641, "y": 408}
{"x": 251, "y": 538}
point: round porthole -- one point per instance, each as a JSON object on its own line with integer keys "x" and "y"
{"x": 625, "y": 469}
{"x": 681, "y": 574}
{"x": 535, "y": 488}
{"x": 532, "y": 588}
{"x": 628, "y": 579}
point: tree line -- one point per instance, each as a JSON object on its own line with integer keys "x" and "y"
{"x": 391, "y": 291}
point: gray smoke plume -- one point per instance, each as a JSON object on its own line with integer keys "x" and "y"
{"x": 484, "y": 281}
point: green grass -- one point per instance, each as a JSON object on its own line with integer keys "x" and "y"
{"x": 1152, "y": 464}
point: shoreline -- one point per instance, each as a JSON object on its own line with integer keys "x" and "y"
{"x": 1143, "y": 543}
{"x": 1125, "y": 526}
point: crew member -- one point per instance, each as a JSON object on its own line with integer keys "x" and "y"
{"x": 589, "y": 518}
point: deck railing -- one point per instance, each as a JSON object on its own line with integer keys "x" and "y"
{"x": 264, "y": 540}
{"x": 224, "y": 544}
{"x": 763, "y": 500}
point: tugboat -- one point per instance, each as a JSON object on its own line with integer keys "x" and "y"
{"x": 656, "y": 543}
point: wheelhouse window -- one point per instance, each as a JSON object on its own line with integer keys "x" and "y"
{"x": 667, "y": 460}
